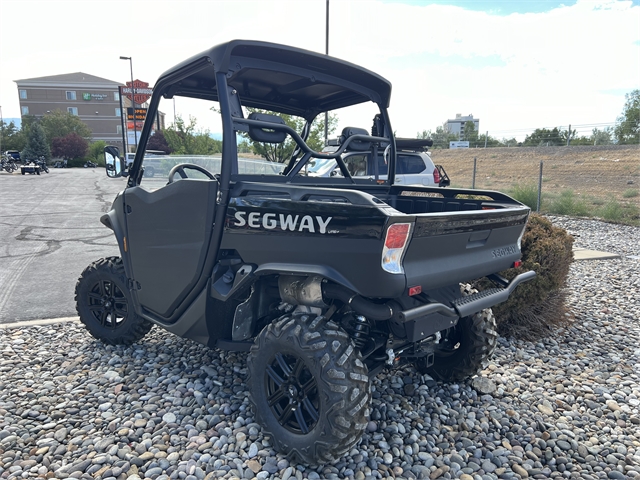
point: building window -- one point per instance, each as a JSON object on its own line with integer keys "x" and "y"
{"x": 25, "y": 110}
{"x": 72, "y": 110}
{"x": 118, "y": 112}
{"x": 71, "y": 96}
{"x": 119, "y": 129}
{"x": 116, "y": 96}
{"x": 23, "y": 94}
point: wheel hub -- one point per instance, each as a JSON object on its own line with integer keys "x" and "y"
{"x": 108, "y": 303}
{"x": 292, "y": 393}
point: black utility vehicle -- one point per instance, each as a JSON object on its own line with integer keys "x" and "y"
{"x": 324, "y": 281}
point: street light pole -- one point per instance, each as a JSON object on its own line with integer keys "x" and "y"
{"x": 133, "y": 102}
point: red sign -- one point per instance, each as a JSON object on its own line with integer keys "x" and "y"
{"x": 138, "y": 92}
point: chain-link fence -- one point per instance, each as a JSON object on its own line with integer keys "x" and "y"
{"x": 581, "y": 180}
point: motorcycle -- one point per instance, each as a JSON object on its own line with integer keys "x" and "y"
{"x": 42, "y": 162}
{"x": 8, "y": 164}
{"x": 60, "y": 164}
{"x": 90, "y": 164}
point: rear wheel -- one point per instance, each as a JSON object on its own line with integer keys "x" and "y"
{"x": 309, "y": 387}
{"x": 465, "y": 348}
{"x": 104, "y": 304}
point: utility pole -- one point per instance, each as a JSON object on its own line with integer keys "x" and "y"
{"x": 326, "y": 51}
{"x": 486, "y": 136}
{"x": 569, "y": 135}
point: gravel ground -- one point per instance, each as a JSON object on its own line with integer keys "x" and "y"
{"x": 566, "y": 407}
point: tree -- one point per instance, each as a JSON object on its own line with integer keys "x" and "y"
{"x": 627, "y": 130}
{"x": 542, "y": 136}
{"x": 12, "y": 137}
{"x": 601, "y": 137}
{"x": 509, "y": 142}
{"x": 441, "y": 137}
{"x": 490, "y": 141}
{"x": 469, "y": 133}
{"x": 157, "y": 141}
{"x": 37, "y": 145}
{"x": 71, "y": 146}
{"x": 96, "y": 151}
{"x": 281, "y": 152}
{"x": 185, "y": 139}
{"x": 60, "y": 124}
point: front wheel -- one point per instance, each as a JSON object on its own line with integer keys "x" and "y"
{"x": 465, "y": 348}
{"x": 104, "y": 304}
{"x": 309, "y": 387}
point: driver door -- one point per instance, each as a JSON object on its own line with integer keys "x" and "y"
{"x": 168, "y": 233}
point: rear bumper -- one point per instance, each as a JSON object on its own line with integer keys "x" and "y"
{"x": 465, "y": 306}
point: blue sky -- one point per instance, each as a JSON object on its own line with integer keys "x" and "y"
{"x": 516, "y": 65}
{"x": 496, "y": 7}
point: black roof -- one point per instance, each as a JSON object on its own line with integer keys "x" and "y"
{"x": 276, "y": 77}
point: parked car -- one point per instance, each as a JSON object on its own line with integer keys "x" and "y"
{"x": 13, "y": 153}
{"x": 413, "y": 165}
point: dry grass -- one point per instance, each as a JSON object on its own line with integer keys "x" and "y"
{"x": 597, "y": 174}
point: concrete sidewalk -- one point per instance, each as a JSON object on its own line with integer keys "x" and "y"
{"x": 584, "y": 254}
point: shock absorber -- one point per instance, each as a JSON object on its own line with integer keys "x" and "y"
{"x": 361, "y": 332}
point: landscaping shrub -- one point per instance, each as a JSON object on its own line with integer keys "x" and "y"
{"x": 568, "y": 204}
{"x": 538, "y": 306}
{"x": 527, "y": 194}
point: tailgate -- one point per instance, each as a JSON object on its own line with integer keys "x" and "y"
{"x": 452, "y": 247}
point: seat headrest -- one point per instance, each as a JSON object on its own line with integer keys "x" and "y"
{"x": 263, "y": 134}
{"x": 357, "y": 145}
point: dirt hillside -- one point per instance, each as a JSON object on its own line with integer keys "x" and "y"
{"x": 597, "y": 173}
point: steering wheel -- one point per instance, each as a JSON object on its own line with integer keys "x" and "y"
{"x": 179, "y": 169}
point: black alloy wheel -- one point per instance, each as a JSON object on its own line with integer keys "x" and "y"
{"x": 104, "y": 304}
{"x": 309, "y": 388}
{"x": 292, "y": 393}
{"x": 108, "y": 303}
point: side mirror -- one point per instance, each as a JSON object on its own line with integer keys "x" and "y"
{"x": 112, "y": 162}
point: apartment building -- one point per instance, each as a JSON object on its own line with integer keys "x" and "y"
{"x": 456, "y": 125}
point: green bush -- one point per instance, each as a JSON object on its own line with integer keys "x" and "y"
{"x": 96, "y": 152}
{"x": 611, "y": 211}
{"x": 568, "y": 204}
{"x": 538, "y": 306}
{"x": 527, "y": 194}
{"x": 631, "y": 193}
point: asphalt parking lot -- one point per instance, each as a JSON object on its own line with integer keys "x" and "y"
{"x": 50, "y": 231}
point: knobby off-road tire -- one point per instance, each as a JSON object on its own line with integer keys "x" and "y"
{"x": 104, "y": 304}
{"x": 309, "y": 387}
{"x": 470, "y": 345}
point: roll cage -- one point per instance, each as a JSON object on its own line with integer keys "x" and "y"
{"x": 281, "y": 79}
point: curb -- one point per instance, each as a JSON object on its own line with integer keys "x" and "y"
{"x": 37, "y": 323}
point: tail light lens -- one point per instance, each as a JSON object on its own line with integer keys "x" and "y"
{"x": 436, "y": 176}
{"x": 395, "y": 244}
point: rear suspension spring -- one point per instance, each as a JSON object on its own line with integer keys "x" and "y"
{"x": 361, "y": 332}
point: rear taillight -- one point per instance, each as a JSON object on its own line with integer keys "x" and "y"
{"x": 436, "y": 176}
{"x": 395, "y": 244}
